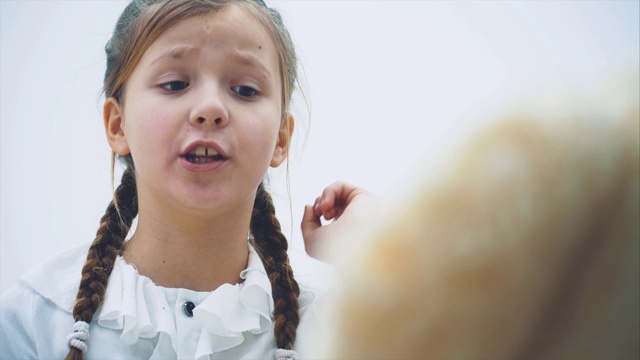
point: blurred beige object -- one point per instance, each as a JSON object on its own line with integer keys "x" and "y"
{"x": 524, "y": 245}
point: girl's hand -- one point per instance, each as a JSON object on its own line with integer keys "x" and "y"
{"x": 348, "y": 206}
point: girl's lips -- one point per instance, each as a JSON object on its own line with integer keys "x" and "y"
{"x": 203, "y": 166}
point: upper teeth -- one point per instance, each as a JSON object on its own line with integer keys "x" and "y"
{"x": 204, "y": 151}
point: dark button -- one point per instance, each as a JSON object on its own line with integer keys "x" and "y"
{"x": 188, "y": 308}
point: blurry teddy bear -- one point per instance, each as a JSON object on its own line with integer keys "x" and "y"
{"x": 525, "y": 246}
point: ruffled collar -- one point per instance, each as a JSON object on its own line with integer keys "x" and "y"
{"x": 141, "y": 309}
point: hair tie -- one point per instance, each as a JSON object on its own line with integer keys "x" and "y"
{"x": 282, "y": 354}
{"x": 79, "y": 335}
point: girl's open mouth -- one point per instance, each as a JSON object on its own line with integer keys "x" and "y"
{"x": 203, "y": 154}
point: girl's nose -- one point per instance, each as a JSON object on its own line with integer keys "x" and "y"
{"x": 209, "y": 111}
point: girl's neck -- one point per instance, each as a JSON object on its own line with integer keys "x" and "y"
{"x": 190, "y": 252}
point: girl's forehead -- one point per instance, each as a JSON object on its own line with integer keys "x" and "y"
{"x": 228, "y": 27}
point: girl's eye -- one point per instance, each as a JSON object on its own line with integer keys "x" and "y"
{"x": 245, "y": 91}
{"x": 175, "y": 85}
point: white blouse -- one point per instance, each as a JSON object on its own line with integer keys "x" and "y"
{"x": 140, "y": 320}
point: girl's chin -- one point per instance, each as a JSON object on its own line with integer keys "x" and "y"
{"x": 207, "y": 204}
{"x": 205, "y": 200}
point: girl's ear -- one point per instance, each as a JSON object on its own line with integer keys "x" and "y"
{"x": 284, "y": 140}
{"x": 114, "y": 127}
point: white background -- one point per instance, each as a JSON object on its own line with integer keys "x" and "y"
{"x": 390, "y": 84}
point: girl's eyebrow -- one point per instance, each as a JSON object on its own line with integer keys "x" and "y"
{"x": 176, "y": 53}
{"x": 247, "y": 60}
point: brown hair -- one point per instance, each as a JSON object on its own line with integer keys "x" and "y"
{"x": 140, "y": 24}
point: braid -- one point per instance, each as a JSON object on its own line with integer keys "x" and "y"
{"x": 110, "y": 236}
{"x": 272, "y": 246}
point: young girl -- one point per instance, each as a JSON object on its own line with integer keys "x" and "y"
{"x": 197, "y": 104}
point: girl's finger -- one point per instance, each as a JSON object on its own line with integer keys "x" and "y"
{"x": 310, "y": 221}
{"x": 317, "y": 210}
{"x": 328, "y": 198}
{"x": 330, "y": 214}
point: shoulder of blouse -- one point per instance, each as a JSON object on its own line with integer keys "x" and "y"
{"x": 57, "y": 278}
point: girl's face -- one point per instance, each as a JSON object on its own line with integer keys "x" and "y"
{"x": 201, "y": 113}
